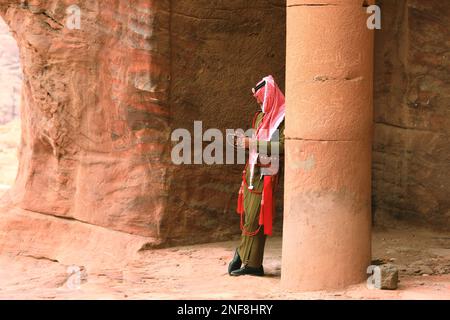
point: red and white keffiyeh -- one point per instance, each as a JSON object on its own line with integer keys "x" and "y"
{"x": 273, "y": 108}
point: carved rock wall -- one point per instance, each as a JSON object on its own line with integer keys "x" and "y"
{"x": 99, "y": 105}
{"x": 411, "y": 165}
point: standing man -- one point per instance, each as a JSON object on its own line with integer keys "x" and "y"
{"x": 256, "y": 203}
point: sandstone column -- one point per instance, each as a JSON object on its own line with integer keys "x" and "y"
{"x": 327, "y": 216}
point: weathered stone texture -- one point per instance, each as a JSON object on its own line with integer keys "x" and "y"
{"x": 220, "y": 50}
{"x": 411, "y": 165}
{"x": 389, "y": 277}
{"x": 87, "y": 110}
{"x": 100, "y": 103}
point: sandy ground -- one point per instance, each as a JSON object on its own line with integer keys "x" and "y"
{"x": 199, "y": 272}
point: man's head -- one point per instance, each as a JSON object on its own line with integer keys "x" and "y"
{"x": 272, "y": 102}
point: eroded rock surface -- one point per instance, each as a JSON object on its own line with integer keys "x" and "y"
{"x": 411, "y": 165}
{"x": 100, "y": 103}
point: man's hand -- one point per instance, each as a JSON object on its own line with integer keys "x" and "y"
{"x": 243, "y": 142}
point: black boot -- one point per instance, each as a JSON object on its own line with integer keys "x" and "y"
{"x": 246, "y": 270}
{"x": 236, "y": 263}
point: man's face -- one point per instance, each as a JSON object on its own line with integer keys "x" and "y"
{"x": 258, "y": 100}
{"x": 260, "y": 103}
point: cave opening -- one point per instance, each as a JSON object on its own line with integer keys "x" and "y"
{"x": 10, "y": 95}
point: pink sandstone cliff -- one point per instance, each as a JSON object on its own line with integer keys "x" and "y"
{"x": 99, "y": 105}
